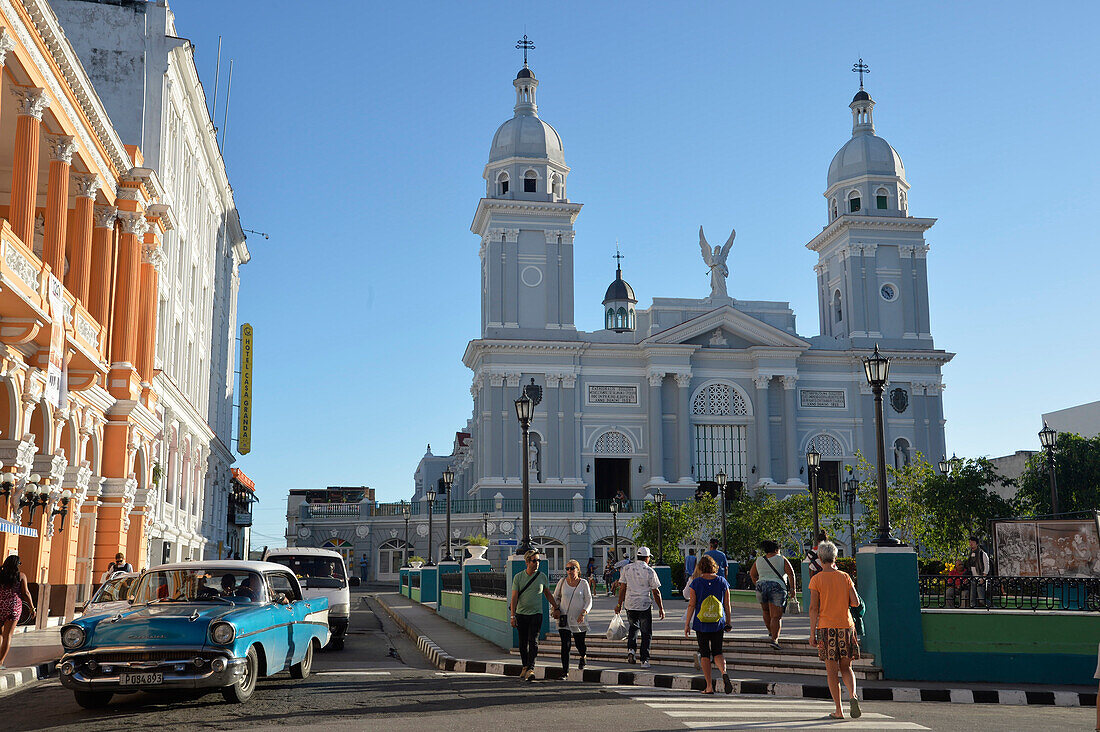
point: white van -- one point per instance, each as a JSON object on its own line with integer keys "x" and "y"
{"x": 321, "y": 573}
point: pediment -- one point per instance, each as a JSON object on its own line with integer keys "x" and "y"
{"x": 726, "y": 327}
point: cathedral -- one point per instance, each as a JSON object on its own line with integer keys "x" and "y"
{"x": 667, "y": 397}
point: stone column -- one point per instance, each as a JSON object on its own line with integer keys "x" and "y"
{"x": 102, "y": 263}
{"x": 80, "y": 259}
{"x": 570, "y": 445}
{"x": 152, "y": 263}
{"x": 683, "y": 427}
{"x": 31, "y": 103}
{"x": 125, "y": 325}
{"x": 656, "y": 428}
{"x": 791, "y": 428}
{"x": 61, "y": 149}
{"x": 763, "y": 430}
{"x": 551, "y": 468}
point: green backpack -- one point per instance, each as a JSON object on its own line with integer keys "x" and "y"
{"x": 710, "y": 611}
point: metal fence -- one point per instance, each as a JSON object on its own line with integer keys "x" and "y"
{"x": 1063, "y": 594}
{"x": 488, "y": 583}
{"x": 451, "y": 581}
{"x": 414, "y": 579}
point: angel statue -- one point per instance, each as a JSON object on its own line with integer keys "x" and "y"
{"x": 716, "y": 260}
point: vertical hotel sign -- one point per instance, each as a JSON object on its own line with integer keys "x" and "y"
{"x": 244, "y": 410}
{"x": 54, "y": 368}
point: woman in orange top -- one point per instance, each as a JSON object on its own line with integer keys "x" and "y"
{"x": 832, "y": 631}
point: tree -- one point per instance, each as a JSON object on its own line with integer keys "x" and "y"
{"x": 691, "y": 522}
{"x": 1077, "y": 470}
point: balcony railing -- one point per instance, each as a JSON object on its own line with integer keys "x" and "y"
{"x": 1079, "y": 594}
{"x": 492, "y": 584}
{"x": 331, "y": 510}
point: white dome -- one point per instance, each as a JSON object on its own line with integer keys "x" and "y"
{"x": 527, "y": 136}
{"x": 865, "y": 154}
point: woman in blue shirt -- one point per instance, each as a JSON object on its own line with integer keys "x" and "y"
{"x": 708, "y": 631}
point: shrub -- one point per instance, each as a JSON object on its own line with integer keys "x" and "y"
{"x": 416, "y": 558}
{"x": 477, "y": 540}
{"x": 847, "y": 564}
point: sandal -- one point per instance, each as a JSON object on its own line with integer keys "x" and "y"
{"x": 853, "y": 708}
{"x": 836, "y": 715}
{"x": 708, "y": 692}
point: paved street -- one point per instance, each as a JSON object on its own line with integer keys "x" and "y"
{"x": 363, "y": 687}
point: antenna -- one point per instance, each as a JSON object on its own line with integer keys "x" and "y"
{"x": 217, "y": 80}
{"x": 253, "y": 231}
{"x": 225, "y": 118}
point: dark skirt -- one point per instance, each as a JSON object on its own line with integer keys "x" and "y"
{"x": 834, "y": 644}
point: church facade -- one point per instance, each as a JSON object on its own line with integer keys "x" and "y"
{"x": 668, "y": 396}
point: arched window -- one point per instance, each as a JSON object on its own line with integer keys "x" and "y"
{"x": 392, "y": 556}
{"x": 719, "y": 400}
{"x": 630, "y": 322}
{"x": 553, "y": 550}
{"x": 530, "y": 182}
{"x": 853, "y": 202}
{"x": 827, "y": 446}
{"x": 555, "y": 184}
{"x": 901, "y": 453}
{"x": 882, "y": 198}
{"x": 620, "y": 318}
{"x": 833, "y": 209}
{"x": 613, "y": 443}
{"x": 838, "y": 311}
{"x": 610, "y": 320}
{"x": 604, "y": 550}
{"x": 502, "y": 184}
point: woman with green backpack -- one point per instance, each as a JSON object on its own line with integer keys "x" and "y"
{"x": 710, "y": 617}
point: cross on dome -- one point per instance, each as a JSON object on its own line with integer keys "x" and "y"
{"x": 859, "y": 67}
{"x": 526, "y": 45}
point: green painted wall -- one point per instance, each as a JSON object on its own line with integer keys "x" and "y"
{"x": 490, "y": 607}
{"x": 993, "y": 632}
{"x": 451, "y": 599}
{"x": 414, "y": 594}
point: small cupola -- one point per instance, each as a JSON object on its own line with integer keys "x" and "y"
{"x": 619, "y": 302}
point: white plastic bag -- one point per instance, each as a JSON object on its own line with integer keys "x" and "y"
{"x": 616, "y": 629}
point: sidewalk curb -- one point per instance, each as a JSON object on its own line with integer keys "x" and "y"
{"x": 14, "y": 679}
{"x": 690, "y": 682}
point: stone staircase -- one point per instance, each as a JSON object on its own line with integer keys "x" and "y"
{"x": 741, "y": 654}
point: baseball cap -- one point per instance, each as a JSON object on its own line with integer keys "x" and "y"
{"x": 643, "y": 551}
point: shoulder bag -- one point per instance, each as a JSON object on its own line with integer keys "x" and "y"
{"x": 793, "y": 607}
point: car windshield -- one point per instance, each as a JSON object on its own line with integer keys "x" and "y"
{"x": 114, "y": 590}
{"x": 200, "y": 585}
{"x": 314, "y": 571}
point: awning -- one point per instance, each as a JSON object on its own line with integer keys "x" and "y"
{"x": 7, "y": 527}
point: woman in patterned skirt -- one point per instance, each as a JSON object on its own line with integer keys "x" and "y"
{"x": 832, "y": 631}
{"x": 13, "y": 593}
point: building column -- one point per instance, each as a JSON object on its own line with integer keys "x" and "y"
{"x": 127, "y": 280}
{"x": 656, "y": 429}
{"x": 551, "y": 467}
{"x": 31, "y": 103}
{"x": 80, "y": 258}
{"x": 763, "y": 431}
{"x": 790, "y": 426}
{"x": 683, "y": 427}
{"x": 570, "y": 445}
{"x": 61, "y": 149}
{"x": 152, "y": 262}
{"x": 102, "y": 264}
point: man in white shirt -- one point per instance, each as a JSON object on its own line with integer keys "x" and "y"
{"x": 639, "y": 589}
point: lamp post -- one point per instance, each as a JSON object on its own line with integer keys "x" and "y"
{"x": 7, "y": 484}
{"x": 31, "y": 497}
{"x": 1048, "y": 437}
{"x": 659, "y": 498}
{"x": 813, "y": 462}
{"x": 943, "y": 465}
{"x": 876, "y": 368}
{"x": 485, "y": 525}
{"x": 448, "y": 481}
{"x": 615, "y": 530}
{"x": 405, "y": 513}
{"x": 525, "y": 407}
{"x": 431, "y": 505}
{"x": 720, "y": 479}
{"x": 851, "y": 487}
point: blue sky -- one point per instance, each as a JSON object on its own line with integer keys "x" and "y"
{"x": 358, "y": 133}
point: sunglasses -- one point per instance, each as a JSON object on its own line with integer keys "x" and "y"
{"x": 571, "y": 569}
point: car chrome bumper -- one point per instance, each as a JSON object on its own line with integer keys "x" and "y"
{"x": 338, "y": 626}
{"x": 75, "y": 674}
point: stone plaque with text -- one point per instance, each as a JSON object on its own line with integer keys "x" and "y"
{"x": 606, "y": 394}
{"x": 821, "y": 398}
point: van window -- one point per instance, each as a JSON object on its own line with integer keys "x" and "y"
{"x": 313, "y": 571}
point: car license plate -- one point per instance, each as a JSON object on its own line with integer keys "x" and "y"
{"x": 146, "y": 679}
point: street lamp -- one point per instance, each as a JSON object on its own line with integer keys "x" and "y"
{"x": 720, "y": 479}
{"x": 405, "y": 512}
{"x": 944, "y": 466}
{"x": 31, "y": 497}
{"x": 1048, "y": 437}
{"x": 525, "y": 407}
{"x": 66, "y": 496}
{"x": 615, "y": 530}
{"x": 851, "y": 487}
{"x": 448, "y": 481}
{"x": 813, "y": 462}
{"x": 7, "y": 484}
{"x": 659, "y": 498}
{"x": 876, "y": 367}
{"x": 431, "y": 505}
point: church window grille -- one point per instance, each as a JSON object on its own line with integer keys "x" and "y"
{"x": 530, "y": 182}
{"x": 837, "y": 308}
{"x": 719, "y": 400}
{"x": 613, "y": 443}
{"x": 827, "y": 446}
{"x": 853, "y": 202}
{"x": 721, "y": 448}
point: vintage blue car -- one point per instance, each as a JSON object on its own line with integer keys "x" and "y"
{"x": 196, "y": 625}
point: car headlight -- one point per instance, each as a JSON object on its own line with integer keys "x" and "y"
{"x": 222, "y": 633}
{"x": 342, "y": 609}
{"x": 73, "y": 636}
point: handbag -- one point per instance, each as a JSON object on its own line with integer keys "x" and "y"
{"x": 563, "y": 615}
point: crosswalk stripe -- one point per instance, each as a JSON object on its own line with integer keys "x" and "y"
{"x": 846, "y": 723}
{"x": 352, "y": 673}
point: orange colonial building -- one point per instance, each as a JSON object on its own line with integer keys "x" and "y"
{"x": 79, "y": 256}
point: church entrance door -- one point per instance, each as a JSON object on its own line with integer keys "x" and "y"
{"x": 612, "y": 476}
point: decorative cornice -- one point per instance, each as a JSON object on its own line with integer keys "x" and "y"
{"x": 61, "y": 148}
{"x": 7, "y": 43}
{"x": 845, "y": 222}
{"x": 31, "y": 101}
{"x": 85, "y": 185}
{"x": 543, "y": 208}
